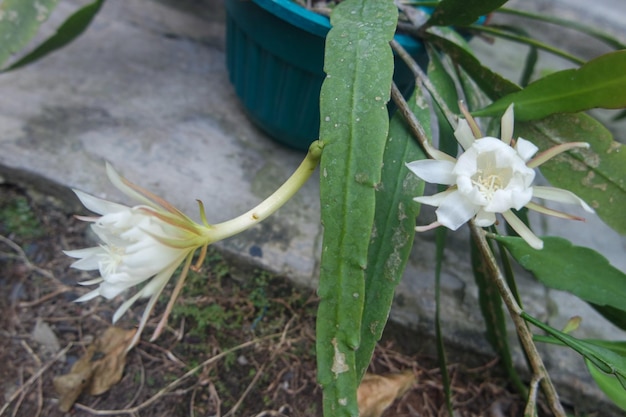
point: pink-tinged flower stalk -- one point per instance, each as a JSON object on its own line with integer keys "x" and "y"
{"x": 146, "y": 243}
{"x": 491, "y": 176}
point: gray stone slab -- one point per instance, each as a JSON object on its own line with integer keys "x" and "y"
{"x": 146, "y": 89}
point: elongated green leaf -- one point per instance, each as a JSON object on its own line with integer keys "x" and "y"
{"x": 394, "y": 224}
{"x": 498, "y": 31}
{"x": 609, "y": 384}
{"x": 66, "y": 33}
{"x": 615, "y": 316}
{"x": 597, "y": 175}
{"x": 589, "y": 30}
{"x": 19, "y": 22}
{"x": 446, "y": 88}
{"x": 578, "y": 270}
{"x": 462, "y": 12}
{"x": 599, "y": 83}
{"x": 605, "y": 359}
{"x": 354, "y": 125}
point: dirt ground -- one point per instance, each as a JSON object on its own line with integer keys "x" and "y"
{"x": 238, "y": 343}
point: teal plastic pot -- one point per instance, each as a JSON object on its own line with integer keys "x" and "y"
{"x": 275, "y": 59}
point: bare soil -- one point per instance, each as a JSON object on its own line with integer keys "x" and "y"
{"x": 266, "y": 322}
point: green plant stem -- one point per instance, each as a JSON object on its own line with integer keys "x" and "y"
{"x": 588, "y": 30}
{"x": 527, "y": 41}
{"x": 515, "y": 311}
{"x": 272, "y": 203}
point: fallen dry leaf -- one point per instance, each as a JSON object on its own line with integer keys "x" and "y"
{"x": 377, "y": 392}
{"x": 97, "y": 370}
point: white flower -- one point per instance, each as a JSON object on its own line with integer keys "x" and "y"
{"x": 491, "y": 176}
{"x": 143, "y": 244}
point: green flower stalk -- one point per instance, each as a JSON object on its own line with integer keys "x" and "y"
{"x": 146, "y": 243}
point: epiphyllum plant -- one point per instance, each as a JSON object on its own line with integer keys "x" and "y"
{"x": 491, "y": 176}
{"x": 367, "y": 193}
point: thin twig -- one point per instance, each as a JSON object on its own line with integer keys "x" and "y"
{"x": 515, "y": 311}
{"x": 163, "y": 391}
{"x": 34, "y": 377}
{"x": 531, "y": 405}
{"x": 415, "y": 126}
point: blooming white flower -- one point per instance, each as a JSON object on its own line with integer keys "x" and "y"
{"x": 143, "y": 244}
{"x": 491, "y": 176}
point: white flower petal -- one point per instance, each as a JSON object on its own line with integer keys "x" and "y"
{"x": 435, "y": 199}
{"x": 433, "y": 171}
{"x": 89, "y": 296}
{"x": 525, "y": 149}
{"x": 98, "y": 205}
{"x": 455, "y": 210}
{"x": 506, "y": 125}
{"x": 91, "y": 263}
{"x": 464, "y": 135}
{"x": 121, "y": 185}
{"x": 84, "y": 253}
{"x": 91, "y": 281}
{"x": 561, "y": 196}
{"x": 522, "y": 230}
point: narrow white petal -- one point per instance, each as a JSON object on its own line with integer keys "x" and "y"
{"x": 522, "y": 230}
{"x": 435, "y": 199}
{"x": 119, "y": 183}
{"x": 91, "y": 281}
{"x": 561, "y": 196}
{"x": 506, "y": 125}
{"x": 91, "y": 263}
{"x": 455, "y": 210}
{"x": 551, "y": 212}
{"x": 525, "y": 149}
{"x": 89, "y": 296}
{"x": 154, "y": 288}
{"x": 433, "y": 171}
{"x": 123, "y": 308}
{"x": 84, "y": 253}
{"x": 464, "y": 135}
{"x": 98, "y": 205}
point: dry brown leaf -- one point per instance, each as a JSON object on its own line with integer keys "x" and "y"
{"x": 97, "y": 370}
{"x": 377, "y": 392}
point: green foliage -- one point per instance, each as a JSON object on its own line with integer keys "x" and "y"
{"x": 607, "y": 360}
{"x": 597, "y": 175}
{"x": 17, "y": 218}
{"x": 598, "y": 83}
{"x": 20, "y": 21}
{"x": 610, "y": 384}
{"x": 462, "y": 12}
{"x": 394, "y": 221}
{"x": 354, "y": 125}
{"x": 73, "y": 27}
{"x": 578, "y": 270}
